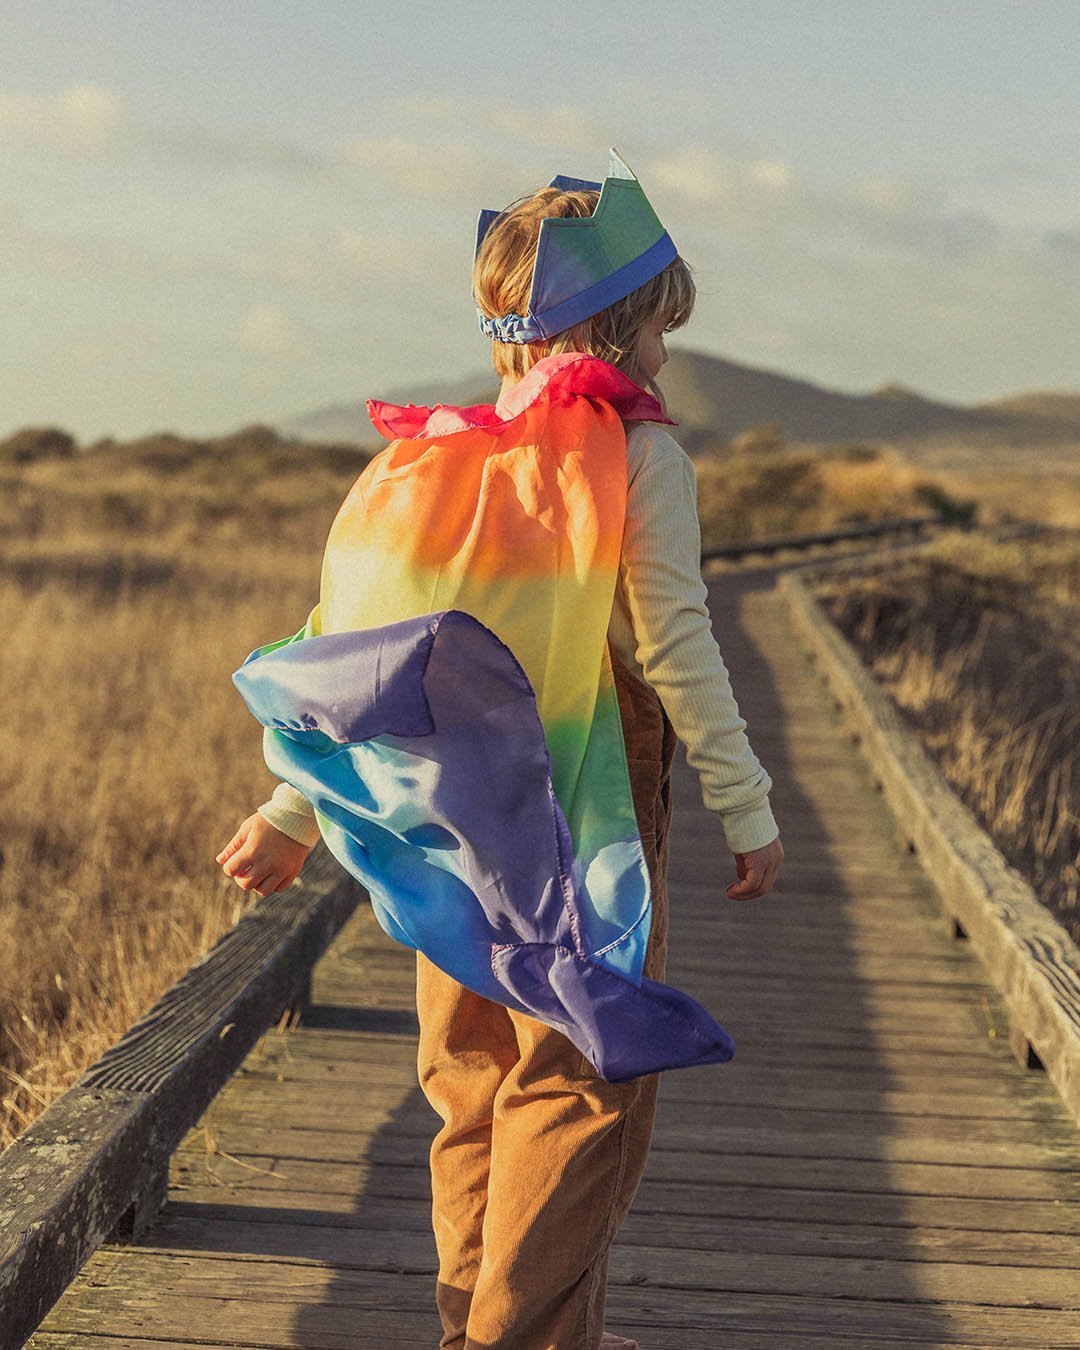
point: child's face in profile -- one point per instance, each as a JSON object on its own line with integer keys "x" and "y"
{"x": 651, "y": 353}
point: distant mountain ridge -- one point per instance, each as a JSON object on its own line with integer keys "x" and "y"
{"x": 349, "y": 421}
{"x": 714, "y": 399}
{"x": 1044, "y": 403}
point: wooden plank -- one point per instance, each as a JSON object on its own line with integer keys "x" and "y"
{"x": 707, "y": 1321}
{"x": 902, "y": 1218}
{"x": 820, "y": 924}
{"x": 834, "y": 888}
{"x": 364, "y": 1243}
{"x": 701, "y": 1320}
{"x": 409, "y": 1333}
{"x": 355, "y": 1055}
{"x": 887, "y": 1014}
{"x": 359, "y": 1099}
{"x": 880, "y": 1007}
{"x": 754, "y": 1035}
{"x": 745, "y": 1131}
{"x": 415, "y": 1331}
{"x": 249, "y": 1123}
{"x": 950, "y": 965}
{"x": 760, "y": 1042}
{"x": 819, "y": 932}
{"x": 910, "y": 526}
{"x": 244, "y": 1290}
{"x": 352, "y": 1103}
{"x": 658, "y": 1338}
{"x": 389, "y": 1201}
{"x": 391, "y": 1163}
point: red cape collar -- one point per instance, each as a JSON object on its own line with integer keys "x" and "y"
{"x": 555, "y": 378}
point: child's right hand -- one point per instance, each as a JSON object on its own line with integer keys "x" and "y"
{"x": 261, "y": 858}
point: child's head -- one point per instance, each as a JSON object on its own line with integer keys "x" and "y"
{"x": 502, "y": 277}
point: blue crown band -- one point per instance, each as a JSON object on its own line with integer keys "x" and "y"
{"x": 621, "y": 283}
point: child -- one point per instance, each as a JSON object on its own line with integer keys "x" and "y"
{"x": 535, "y": 568}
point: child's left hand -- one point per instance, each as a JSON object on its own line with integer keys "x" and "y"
{"x": 756, "y": 871}
{"x": 261, "y": 858}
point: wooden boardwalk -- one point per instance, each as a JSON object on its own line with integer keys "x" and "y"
{"x": 872, "y": 1170}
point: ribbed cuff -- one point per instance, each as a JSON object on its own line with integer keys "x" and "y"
{"x": 750, "y": 829}
{"x": 296, "y": 824}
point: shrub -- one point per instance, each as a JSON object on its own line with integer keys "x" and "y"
{"x": 34, "y": 443}
{"x": 954, "y": 510}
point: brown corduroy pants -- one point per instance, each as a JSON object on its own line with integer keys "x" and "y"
{"x": 538, "y": 1157}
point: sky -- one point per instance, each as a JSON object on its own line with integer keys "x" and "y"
{"x": 213, "y": 214}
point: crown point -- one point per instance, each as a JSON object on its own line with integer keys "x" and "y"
{"x": 617, "y": 166}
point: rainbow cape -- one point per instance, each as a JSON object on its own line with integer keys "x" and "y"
{"x": 450, "y": 711}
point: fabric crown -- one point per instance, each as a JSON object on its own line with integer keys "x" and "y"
{"x": 584, "y": 264}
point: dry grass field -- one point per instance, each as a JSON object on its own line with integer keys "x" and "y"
{"x": 978, "y": 643}
{"x": 757, "y": 489}
{"x": 133, "y": 579}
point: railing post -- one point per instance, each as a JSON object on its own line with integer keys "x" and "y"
{"x": 300, "y": 1001}
{"x": 146, "y": 1203}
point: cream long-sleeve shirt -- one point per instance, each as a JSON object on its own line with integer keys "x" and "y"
{"x": 660, "y": 627}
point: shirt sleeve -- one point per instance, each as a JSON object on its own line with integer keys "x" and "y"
{"x": 676, "y": 649}
{"x": 290, "y": 812}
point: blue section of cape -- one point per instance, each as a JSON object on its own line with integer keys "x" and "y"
{"x": 420, "y": 746}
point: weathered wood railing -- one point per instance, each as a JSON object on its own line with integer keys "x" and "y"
{"x": 95, "y": 1164}
{"x": 780, "y": 543}
{"x": 1027, "y": 954}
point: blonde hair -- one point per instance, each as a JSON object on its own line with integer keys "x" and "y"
{"x": 502, "y": 275}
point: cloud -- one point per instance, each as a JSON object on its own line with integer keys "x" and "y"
{"x": 516, "y": 146}
{"x": 560, "y": 125}
{"x": 1064, "y": 245}
{"x": 267, "y": 329}
{"x": 253, "y": 148}
{"x": 743, "y": 189}
{"x": 78, "y": 117}
{"x": 563, "y": 127}
{"x": 887, "y": 194}
{"x": 82, "y": 117}
{"x": 425, "y": 169}
{"x": 756, "y": 200}
{"x": 773, "y": 174}
{"x": 374, "y": 255}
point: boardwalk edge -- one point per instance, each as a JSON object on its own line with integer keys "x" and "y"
{"x": 1028, "y": 955}
{"x": 95, "y": 1163}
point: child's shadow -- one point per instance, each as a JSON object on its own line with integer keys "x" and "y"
{"x": 771, "y": 1205}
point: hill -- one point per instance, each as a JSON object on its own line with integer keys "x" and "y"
{"x": 714, "y": 400}
{"x": 716, "y": 397}
{"x": 1044, "y": 403}
{"x": 349, "y": 421}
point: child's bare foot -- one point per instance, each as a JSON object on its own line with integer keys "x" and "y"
{"x": 609, "y": 1341}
